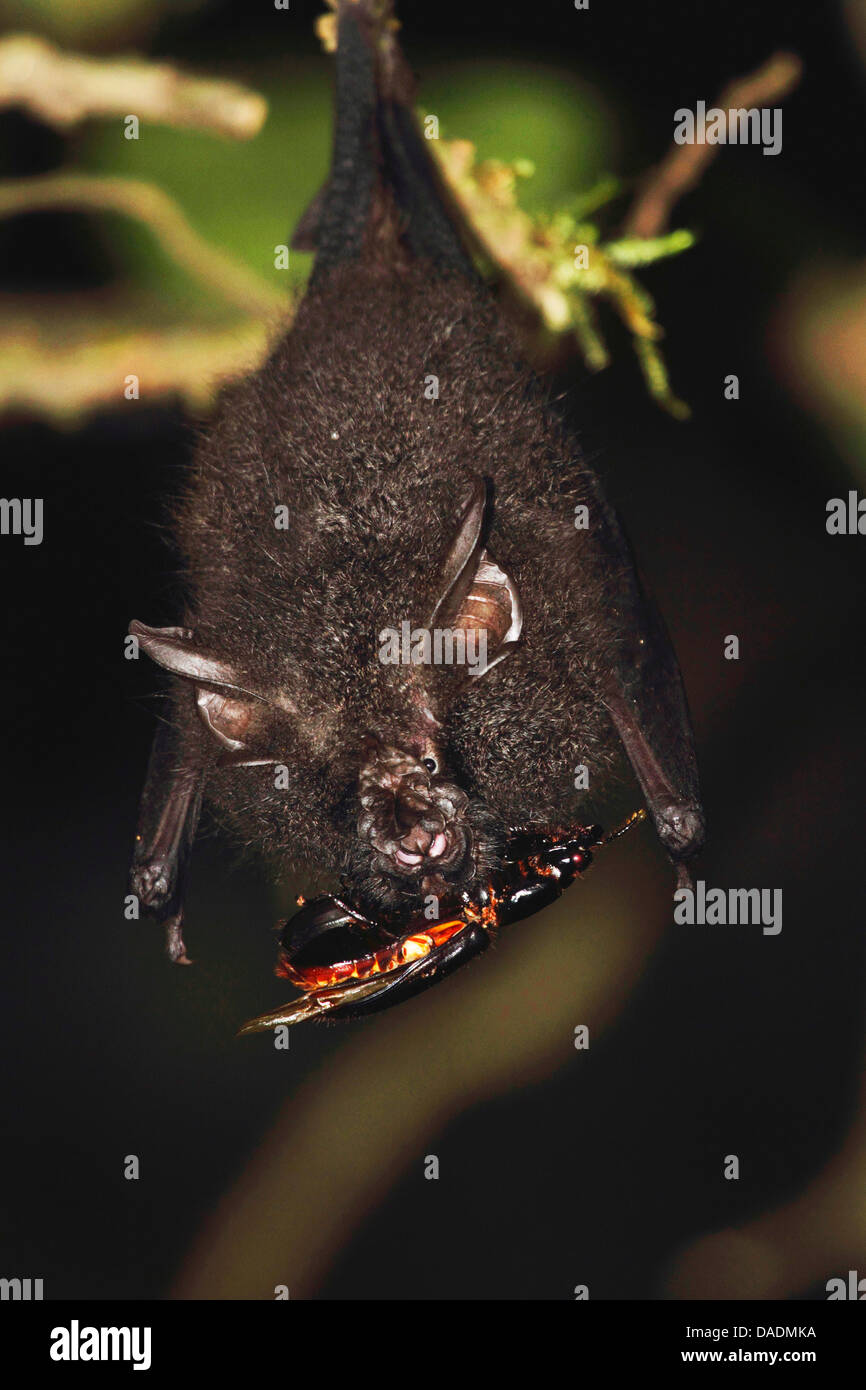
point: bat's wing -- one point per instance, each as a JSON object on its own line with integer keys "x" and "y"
{"x": 645, "y": 697}
{"x": 168, "y": 820}
{"x": 382, "y": 179}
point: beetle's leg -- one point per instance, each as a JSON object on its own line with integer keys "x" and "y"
{"x": 553, "y": 834}
{"x": 167, "y": 823}
{"x": 605, "y": 837}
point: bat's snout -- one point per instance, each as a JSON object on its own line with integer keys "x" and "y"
{"x": 412, "y": 821}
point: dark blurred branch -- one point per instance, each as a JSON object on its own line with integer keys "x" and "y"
{"x": 347, "y": 1135}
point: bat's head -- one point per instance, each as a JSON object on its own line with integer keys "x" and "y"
{"x": 357, "y": 773}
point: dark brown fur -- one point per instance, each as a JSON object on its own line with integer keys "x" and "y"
{"x": 385, "y": 486}
{"x": 299, "y": 611}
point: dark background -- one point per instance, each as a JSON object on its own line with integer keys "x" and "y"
{"x": 730, "y": 1042}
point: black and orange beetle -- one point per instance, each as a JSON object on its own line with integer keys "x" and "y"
{"x": 347, "y": 966}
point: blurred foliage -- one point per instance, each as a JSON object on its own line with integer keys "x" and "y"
{"x": 818, "y": 341}
{"x": 63, "y": 89}
{"x": 817, "y": 335}
{"x": 245, "y": 198}
{"x": 559, "y": 264}
{"x": 234, "y": 202}
{"x": 98, "y": 25}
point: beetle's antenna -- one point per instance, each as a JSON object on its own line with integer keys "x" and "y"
{"x": 634, "y": 819}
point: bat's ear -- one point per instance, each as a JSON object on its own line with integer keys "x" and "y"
{"x": 226, "y": 709}
{"x": 176, "y": 650}
{"x": 476, "y": 596}
{"x": 461, "y": 562}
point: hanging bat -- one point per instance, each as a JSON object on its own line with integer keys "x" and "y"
{"x": 396, "y": 688}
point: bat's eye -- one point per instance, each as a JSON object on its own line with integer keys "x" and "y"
{"x": 431, "y": 764}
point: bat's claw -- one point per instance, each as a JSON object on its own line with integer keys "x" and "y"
{"x": 151, "y": 882}
{"x": 681, "y": 827}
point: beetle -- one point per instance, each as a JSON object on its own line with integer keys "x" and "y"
{"x": 348, "y": 967}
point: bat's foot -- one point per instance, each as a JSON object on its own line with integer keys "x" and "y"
{"x": 681, "y": 827}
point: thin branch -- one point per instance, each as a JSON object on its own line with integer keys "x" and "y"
{"x": 65, "y": 88}
{"x": 684, "y": 165}
{"x": 63, "y": 366}
{"x": 152, "y": 206}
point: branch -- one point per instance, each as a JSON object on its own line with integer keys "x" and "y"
{"x": 150, "y": 205}
{"x": 62, "y": 89}
{"x": 63, "y": 364}
{"x": 684, "y": 166}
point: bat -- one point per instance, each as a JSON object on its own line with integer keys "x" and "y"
{"x": 395, "y": 687}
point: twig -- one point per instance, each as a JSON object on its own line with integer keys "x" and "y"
{"x": 684, "y": 165}
{"x": 65, "y": 88}
{"x": 151, "y": 205}
{"x": 63, "y": 366}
